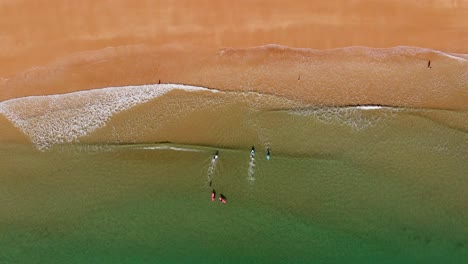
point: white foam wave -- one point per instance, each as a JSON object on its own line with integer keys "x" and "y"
{"x": 351, "y": 116}
{"x": 457, "y": 57}
{"x": 64, "y": 118}
{"x": 368, "y": 107}
{"x": 170, "y": 148}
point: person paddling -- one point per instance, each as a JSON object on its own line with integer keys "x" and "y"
{"x": 213, "y": 195}
{"x": 215, "y": 156}
{"x": 252, "y": 153}
{"x": 222, "y": 198}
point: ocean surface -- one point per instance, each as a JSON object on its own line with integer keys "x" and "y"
{"x": 106, "y": 180}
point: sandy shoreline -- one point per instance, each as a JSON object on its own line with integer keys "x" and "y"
{"x": 185, "y": 114}
{"x": 350, "y": 76}
{"x": 332, "y": 53}
{"x": 88, "y": 45}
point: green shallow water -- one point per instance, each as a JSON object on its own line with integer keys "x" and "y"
{"x": 394, "y": 192}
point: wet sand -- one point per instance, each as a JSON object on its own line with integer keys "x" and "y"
{"x": 201, "y": 118}
{"x": 11, "y": 134}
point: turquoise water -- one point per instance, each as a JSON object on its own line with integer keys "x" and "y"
{"x": 394, "y": 192}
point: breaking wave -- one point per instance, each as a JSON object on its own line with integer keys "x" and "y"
{"x": 64, "y": 118}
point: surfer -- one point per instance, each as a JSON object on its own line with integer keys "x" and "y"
{"x": 222, "y": 198}
{"x": 252, "y": 153}
{"x": 213, "y": 195}
{"x": 215, "y": 156}
{"x": 429, "y": 64}
{"x": 268, "y": 153}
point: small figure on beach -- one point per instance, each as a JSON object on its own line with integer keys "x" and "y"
{"x": 429, "y": 64}
{"x": 268, "y": 153}
{"x": 222, "y": 198}
{"x": 299, "y": 78}
{"x": 159, "y": 82}
{"x": 213, "y": 195}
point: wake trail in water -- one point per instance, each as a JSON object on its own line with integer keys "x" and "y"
{"x": 251, "y": 171}
{"x": 211, "y": 168}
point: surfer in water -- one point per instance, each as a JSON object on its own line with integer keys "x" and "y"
{"x": 268, "y": 153}
{"x": 215, "y": 156}
{"x": 252, "y": 153}
{"x": 222, "y": 198}
{"x": 213, "y": 195}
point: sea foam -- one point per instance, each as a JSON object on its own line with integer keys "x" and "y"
{"x": 169, "y": 148}
{"x": 351, "y": 116}
{"x": 64, "y": 118}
